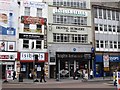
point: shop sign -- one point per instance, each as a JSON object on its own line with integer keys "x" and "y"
{"x": 33, "y": 30}
{"x": 33, "y": 4}
{"x": 31, "y": 36}
{"x": 70, "y": 29}
{"x": 32, "y": 20}
{"x": 63, "y": 55}
{"x": 114, "y": 59}
{"x": 8, "y": 56}
{"x": 70, "y": 12}
{"x": 30, "y": 56}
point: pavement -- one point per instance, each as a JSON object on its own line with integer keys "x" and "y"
{"x": 51, "y": 81}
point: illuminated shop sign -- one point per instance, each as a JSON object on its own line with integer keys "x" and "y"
{"x": 70, "y": 12}
{"x": 114, "y": 58}
{"x": 33, "y": 20}
{"x": 30, "y": 56}
{"x": 33, "y": 4}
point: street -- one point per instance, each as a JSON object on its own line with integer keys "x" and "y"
{"x": 76, "y": 84}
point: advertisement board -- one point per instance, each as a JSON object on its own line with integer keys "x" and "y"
{"x": 106, "y": 62}
{"x": 8, "y": 18}
{"x": 118, "y": 80}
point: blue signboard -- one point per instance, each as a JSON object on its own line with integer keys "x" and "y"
{"x": 7, "y": 31}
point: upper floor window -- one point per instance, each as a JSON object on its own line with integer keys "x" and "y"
{"x": 27, "y": 11}
{"x": 105, "y": 27}
{"x": 25, "y": 43}
{"x": 39, "y": 28}
{"x": 38, "y": 44}
{"x": 26, "y": 28}
{"x": 111, "y": 44}
{"x": 39, "y": 12}
{"x": 118, "y": 45}
{"x": 95, "y": 12}
{"x": 100, "y": 13}
{"x": 101, "y": 44}
{"x": 113, "y": 15}
{"x": 104, "y": 14}
{"x": 96, "y": 27}
{"x": 117, "y": 16}
{"x": 109, "y": 14}
{"x": 97, "y": 43}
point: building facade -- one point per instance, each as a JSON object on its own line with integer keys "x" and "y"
{"x": 69, "y": 37}
{"x": 32, "y": 37}
{"x": 106, "y": 22}
{"x": 8, "y": 37}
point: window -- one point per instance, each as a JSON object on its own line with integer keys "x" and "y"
{"x": 97, "y": 43}
{"x": 114, "y": 29}
{"x": 101, "y": 44}
{"x": 105, "y": 27}
{"x": 96, "y": 27}
{"x": 26, "y": 28}
{"x": 117, "y": 16}
{"x": 113, "y": 15}
{"x": 38, "y": 44}
{"x": 118, "y": 29}
{"x": 39, "y": 12}
{"x": 104, "y": 14}
{"x": 95, "y": 12}
{"x": 39, "y": 28}
{"x": 118, "y": 45}
{"x": 25, "y": 43}
{"x": 70, "y": 3}
{"x": 109, "y": 14}
{"x": 100, "y": 13}
{"x": 110, "y": 28}
{"x": 111, "y": 44}
{"x": 75, "y": 20}
{"x": 27, "y": 11}
{"x": 101, "y": 27}
{"x": 106, "y": 44}
{"x": 115, "y": 44}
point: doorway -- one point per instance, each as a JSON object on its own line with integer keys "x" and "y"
{"x": 3, "y": 71}
{"x": 52, "y": 71}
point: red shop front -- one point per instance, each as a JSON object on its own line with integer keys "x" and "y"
{"x": 28, "y": 63}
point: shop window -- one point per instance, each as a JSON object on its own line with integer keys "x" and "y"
{"x": 25, "y": 43}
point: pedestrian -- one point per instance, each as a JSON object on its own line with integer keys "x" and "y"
{"x": 91, "y": 74}
{"x": 14, "y": 74}
{"x": 42, "y": 75}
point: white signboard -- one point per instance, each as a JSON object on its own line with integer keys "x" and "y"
{"x": 34, "y": 4}
{"x": 9, "y": 74}
{"x": 30, "y": 56}
{"x": 106, "y": 60}
{"x": 70, "y": 12}
{"x": 8, "y": 56}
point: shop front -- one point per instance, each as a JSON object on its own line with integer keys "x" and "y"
{"x": 68, "y": 62}
{"x": 114, "y": 63}
{"x": 29, "y": 62}
{"x": 7, "y": 60}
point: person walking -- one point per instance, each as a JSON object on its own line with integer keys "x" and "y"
{"x": 91, "y": 74}
{"x": 42, "y": 75}
{"x": 14, "y": 74}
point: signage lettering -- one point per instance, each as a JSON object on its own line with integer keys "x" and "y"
{"x": 4, "y": 56}
{"x": 31, "y": 36}
{"x": 70, "y": 12}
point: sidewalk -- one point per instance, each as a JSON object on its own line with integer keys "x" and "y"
{"x": 51, "y": 81}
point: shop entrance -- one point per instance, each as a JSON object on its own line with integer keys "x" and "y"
{"x": 53, "y": 71}
{"x": 3, "y": 71}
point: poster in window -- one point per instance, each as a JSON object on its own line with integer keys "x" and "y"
{"x": 2, "y": 46}
{"x": 11, "y": 46}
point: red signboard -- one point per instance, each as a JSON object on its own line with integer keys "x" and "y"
{"x": 4, "y": 56}
{"x": 33, "y": 20}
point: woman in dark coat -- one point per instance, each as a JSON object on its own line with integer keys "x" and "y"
{"x": 42, "y": 75}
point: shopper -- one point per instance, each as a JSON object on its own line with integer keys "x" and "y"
{"x": 14, "y": 74}
{"x": 42, "y": 75}
{"x": 91, "y": 74}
